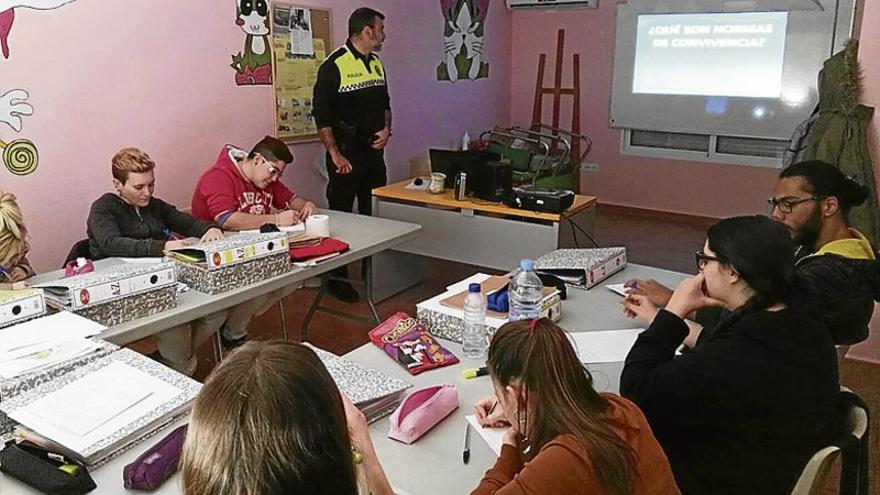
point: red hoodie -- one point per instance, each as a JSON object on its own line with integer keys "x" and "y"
{"x": 222, "y": 191}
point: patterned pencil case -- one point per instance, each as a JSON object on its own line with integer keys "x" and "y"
{"x": 422, "y": 410}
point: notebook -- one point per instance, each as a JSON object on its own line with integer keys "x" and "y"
{"x": 375, "y": 393}
{"x": 103, "y": 406}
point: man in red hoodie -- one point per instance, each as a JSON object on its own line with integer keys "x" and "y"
{"x": 242, "y": 191}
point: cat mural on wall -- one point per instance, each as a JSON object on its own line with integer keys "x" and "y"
{"x": 464, "y": 24}
{"x": 7, "y": 16}
{"x": 253, "y": 66}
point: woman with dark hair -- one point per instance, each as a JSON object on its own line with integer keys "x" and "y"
{"x": 837, "y": 268}
{"x": 270, "y": 421}
{"x": 746, "y": 409}
{"x": 565, "y": 438}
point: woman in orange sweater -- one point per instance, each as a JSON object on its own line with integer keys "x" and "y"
{"x": 564, "y": 437}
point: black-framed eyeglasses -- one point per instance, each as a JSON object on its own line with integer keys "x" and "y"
{"x": 786, "y": 205}
{"x": 703, "y": 259}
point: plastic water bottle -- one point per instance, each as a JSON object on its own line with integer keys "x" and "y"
{"x": 526, "y": 293}
{"x": 474, "y": 341}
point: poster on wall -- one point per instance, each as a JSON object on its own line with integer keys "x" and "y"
{"x": 7, "y": 16}
{"x": 464, "y": 30}
{"x": 253, "y": 65}
{"x": 20, "y": 156}
{"x": 300, "y": 40}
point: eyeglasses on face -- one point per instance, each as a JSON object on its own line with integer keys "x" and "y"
{"x": 786, "y": 205}
{"x": 273, "y": 170}
{"x": 704, "y": 259}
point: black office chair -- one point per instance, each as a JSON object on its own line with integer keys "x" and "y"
{"x": 79, "y": 250}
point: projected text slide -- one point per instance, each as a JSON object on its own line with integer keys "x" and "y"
{"x": 730, "y": 54}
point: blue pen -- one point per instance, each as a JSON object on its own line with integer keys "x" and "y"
{"x": 168, "y": 234}
{"x": 5, "y": 273}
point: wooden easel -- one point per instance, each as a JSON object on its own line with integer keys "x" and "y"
{"x": 557, "y": 91}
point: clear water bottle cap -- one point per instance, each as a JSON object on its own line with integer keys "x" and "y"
{"x": 527, "y": 265}
{"x": 474, "y": 288}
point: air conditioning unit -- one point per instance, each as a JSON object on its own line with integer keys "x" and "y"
{"x": 552, "y": 4}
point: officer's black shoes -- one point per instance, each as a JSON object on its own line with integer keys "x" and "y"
{"x": 342, "y": 291}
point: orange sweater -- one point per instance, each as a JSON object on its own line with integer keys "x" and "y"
{"x": 563, "y": 467}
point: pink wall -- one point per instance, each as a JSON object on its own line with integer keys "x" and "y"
{"x": 621, "y": 179}
{"x": 869, "y": 59}
{"x": 155, "y": 74}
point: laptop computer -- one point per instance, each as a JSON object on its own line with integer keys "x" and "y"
{"x": 451, "y": 162}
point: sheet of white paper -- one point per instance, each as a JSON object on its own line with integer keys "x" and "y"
{"x": 422, "y": 187}
{"x": 494, "y": 437}
{"x": 58, "y": 327}
{"x": 315, "y": 261}
{"x": 476, "y": 278}
{"x": 290, "y": 229}
{"x": 53, "y": 354}
{"x": 301, "y": 32}
{"x": 606, "y": 346}
{"x": 95, "y": 406}
{"x": 147, "y": 260}
{"x": 621, "y": 289}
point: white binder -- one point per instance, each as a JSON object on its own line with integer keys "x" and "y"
{"x": 231, "y": 250}
{"x": 583, "y": 268}
{"x": 109, "y": 284}
{"x": 20, "y": 305}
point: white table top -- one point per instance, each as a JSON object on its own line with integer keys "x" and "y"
{"x": 365, "y": 235}
{"x": 436, "y": 457}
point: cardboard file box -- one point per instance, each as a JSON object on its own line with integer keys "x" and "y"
{"x": 448, "y": 323}
{"x": 232, "y": 262}
{"x": 583, "y": 268}
{"x": 17, "y": 306}
{"x": 118, "y": 293}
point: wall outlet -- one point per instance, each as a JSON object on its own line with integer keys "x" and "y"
{"x": 589, "y": 167}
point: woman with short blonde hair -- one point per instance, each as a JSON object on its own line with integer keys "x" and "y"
{"x": 130, "y": 160}
{"x": 14, "y": 265}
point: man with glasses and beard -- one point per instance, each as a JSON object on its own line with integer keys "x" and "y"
{"x": 836, "y": 264}
{"x": 243, "y": 191}
{"x": 837, "y": 268}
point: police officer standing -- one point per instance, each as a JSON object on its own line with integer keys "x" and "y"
{"x": 352, "y": 111}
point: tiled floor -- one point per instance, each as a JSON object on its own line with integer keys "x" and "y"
{"x": 651, "y": 239}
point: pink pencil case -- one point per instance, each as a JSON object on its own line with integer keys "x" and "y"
{"x": 421, "y": 410}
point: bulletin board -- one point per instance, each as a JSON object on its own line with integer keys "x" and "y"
{"x": 300, "y": 41}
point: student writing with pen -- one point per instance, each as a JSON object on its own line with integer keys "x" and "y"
{"x": 243, "y": 191}
{"x": 135, "y": 223}
{"x": 563, "y": 437}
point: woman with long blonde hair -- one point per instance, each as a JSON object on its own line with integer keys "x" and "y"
{"x": 14, "y": 265}
{"x": 564, "y": 437}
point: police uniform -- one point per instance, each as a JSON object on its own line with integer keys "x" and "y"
{"x": 351, "y": 97}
